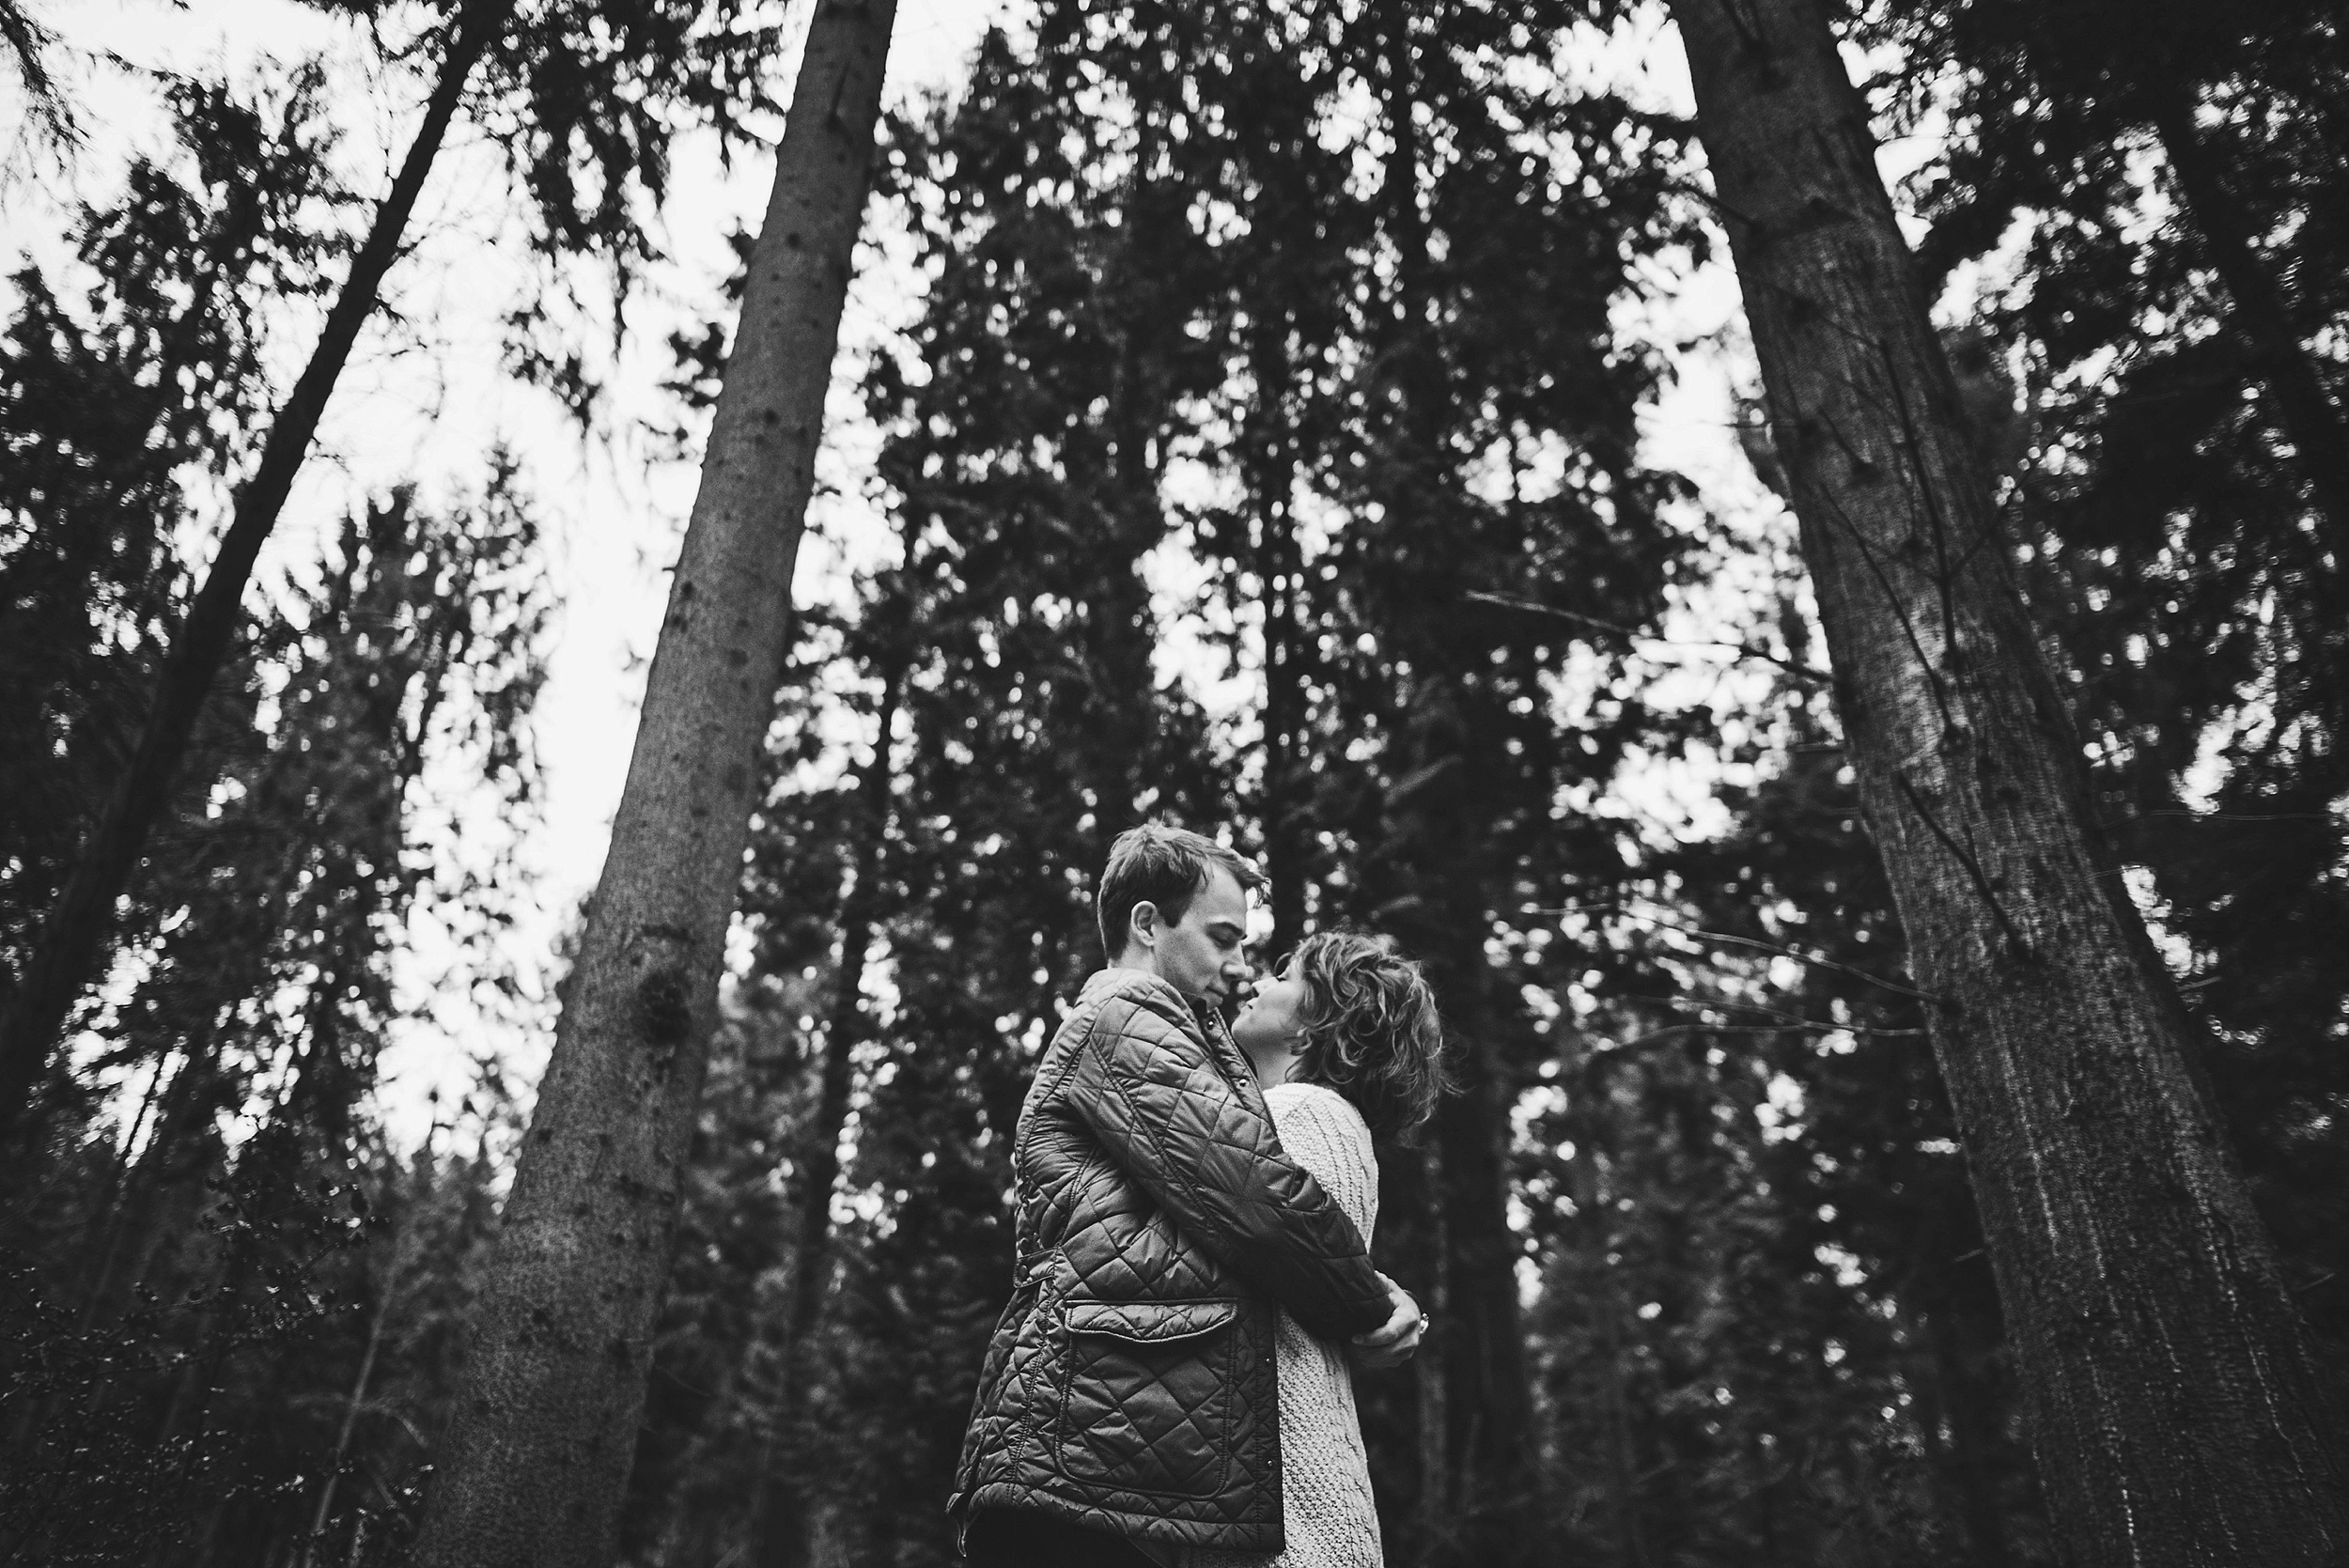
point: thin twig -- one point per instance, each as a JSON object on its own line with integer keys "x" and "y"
{"x": 1908, "y": 627}
{"x": 1778, "y": 948}
{"x": 1780, "y": 1017}
{"x": 1921, "y": 487}
{"x": 1805, "y": 1026}
{"x": 1811, "y": 958}
{"x": 1966, "y": 858}
{"x": 1743, "y": 650}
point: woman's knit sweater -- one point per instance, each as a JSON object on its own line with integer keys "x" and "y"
{"x": 1325, "y": 1475}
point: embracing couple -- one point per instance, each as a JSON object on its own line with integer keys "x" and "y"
{"x": 1171, "y": 1382}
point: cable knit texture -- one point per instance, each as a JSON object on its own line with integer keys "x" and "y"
{"x": 1325, "y": 1475}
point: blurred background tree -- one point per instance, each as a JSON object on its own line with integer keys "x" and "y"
{"x": 1272, "y": 448}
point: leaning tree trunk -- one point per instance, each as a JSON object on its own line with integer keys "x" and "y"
{"x": 536, "y": 1460}
{"x": 72, "y": 942}
{"x": 2178, "y": 1412}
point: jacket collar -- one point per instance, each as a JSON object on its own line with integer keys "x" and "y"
{"x": 1221, "y": 1049}
{"x": 1106, "y": 980}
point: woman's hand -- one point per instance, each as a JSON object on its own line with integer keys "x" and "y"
{"x": 1391, "y": 1344}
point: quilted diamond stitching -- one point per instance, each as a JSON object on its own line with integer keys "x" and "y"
{"x": 1206, "y": 1423}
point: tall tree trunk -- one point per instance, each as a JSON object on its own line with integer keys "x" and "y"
{"x": 72, "y": 941}
{"x": 532, "y": 1467}
{"x": 2306, "y": 411}
{"x": 2179, "y": 1413}
{"x": 780, "y": 1525}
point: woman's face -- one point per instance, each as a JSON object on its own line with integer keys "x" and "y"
{"x": 1275, "y": 1017}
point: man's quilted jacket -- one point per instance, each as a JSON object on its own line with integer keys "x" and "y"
{"x": 1131, "y": 1384}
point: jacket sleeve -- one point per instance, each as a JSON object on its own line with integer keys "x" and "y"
{"x": 1144, "y": 1083}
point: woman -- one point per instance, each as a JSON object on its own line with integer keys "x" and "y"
{"x": 1346, "y": 1043}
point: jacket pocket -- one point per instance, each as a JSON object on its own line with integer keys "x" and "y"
{"x": 1150, "y": 1401}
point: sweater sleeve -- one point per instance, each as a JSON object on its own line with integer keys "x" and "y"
{"x": 1329, "y": 1138}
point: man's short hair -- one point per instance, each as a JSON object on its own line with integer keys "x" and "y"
{"x": 1165, "y": 866}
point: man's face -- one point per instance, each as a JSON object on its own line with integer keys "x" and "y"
{"x": 1203, "y": 955}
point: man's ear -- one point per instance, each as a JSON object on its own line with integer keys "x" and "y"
{"x": 1144, "y": 925}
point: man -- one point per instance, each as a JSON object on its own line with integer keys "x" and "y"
{"x": 1127, "y": 1403}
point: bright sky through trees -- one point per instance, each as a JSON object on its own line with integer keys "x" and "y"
{"x": 424, "y": 396}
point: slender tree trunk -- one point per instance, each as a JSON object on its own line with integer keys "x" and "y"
{"x": 534, "y": 1465}
{"x": 1969, "y": 1400}
{"x": 1488, "y": 1497}
{"x": 2179, "y": 1413}
{"x": 1272, "y": 469}
{"x": 406, "y": 1245}
{"x": 2306, "y": 411}
{"x": 1127, "y": 745}
{"x": 1406, "y": 1432}
{"x": 1489, "y": 1409}
{"x": 325, "y": 1509}
{"x": 1585, "y": 1110}
{"x": 104, "y": 1225}
{"x": 780, "y": 1528}
{"x": 72, "y": 941}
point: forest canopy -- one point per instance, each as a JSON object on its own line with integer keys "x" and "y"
{"x": 1330, "y": 427}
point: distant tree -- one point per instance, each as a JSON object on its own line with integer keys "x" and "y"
{"x": 104, "y": 401}
{"x": 2050, "y": 105}
{"x": 75, "y": 930}
{"x": 1791, "y": 918}
{"x": 179, "y": 1279}
{"x": 695, "y": 1484}
{"x": 1424, "y": 426}
{"x": 865, "y": 806}
{"x": 582, "y": 92}
{"x": 27, "y": 44}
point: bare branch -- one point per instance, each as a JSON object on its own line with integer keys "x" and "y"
{"x": 1740, "y": 650}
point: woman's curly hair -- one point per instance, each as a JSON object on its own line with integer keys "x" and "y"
{"x": 1370, "y": 1029}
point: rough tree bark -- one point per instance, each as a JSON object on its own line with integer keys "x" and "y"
{"x": 2178, "y": 1412}
{"x": 73, "y": 937}
{"x": 532, "y": 1467}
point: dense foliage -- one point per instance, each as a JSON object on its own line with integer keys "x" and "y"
{"x": 1264, "y": 454}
